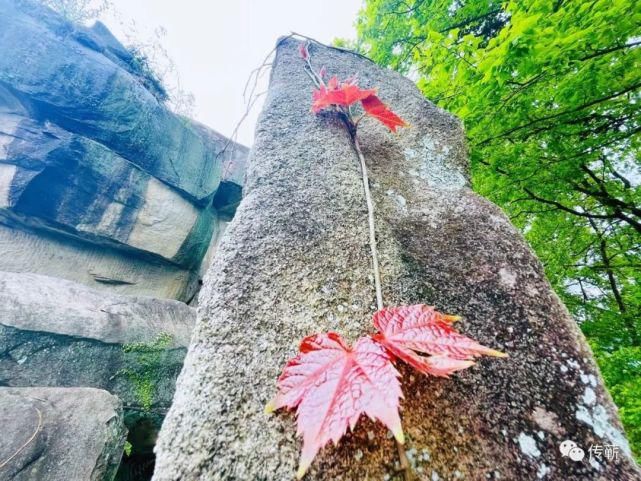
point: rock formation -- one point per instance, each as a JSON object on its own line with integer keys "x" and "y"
{"x": 60, "y": 434}
{"x": 98, "y": 179}
{"x": 295, "y": 261}
{"x": 55, "y": 332}
{"x": 111, "y": 208}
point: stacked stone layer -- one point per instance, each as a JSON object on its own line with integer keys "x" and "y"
{"x": 89, "y": 152}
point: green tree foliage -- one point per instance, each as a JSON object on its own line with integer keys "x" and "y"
{"x": 550, "y": 95}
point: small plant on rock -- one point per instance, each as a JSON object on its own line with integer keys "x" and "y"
{"x": 147, "y": 364}
{"x": 331, "y": 384}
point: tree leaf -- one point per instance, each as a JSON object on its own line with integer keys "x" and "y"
{"x": 331, "y": 385}
{"x": 440, "y": 366}
{"x": 420, "y": 328}
{"x": 544, "y": 89}
{"x": 342, "y": 94}
{"x": 377, "y": 109}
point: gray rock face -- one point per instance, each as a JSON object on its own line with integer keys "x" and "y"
{"x": 98, "y": 266}
{"x": 295, "y": 261}
{"x": 88, "y": 150}
{"x": 71, "y": 82}
{"x": 73, "y": 184}
{"x": 51, "y": 434}
{"x": 57, "y": 333}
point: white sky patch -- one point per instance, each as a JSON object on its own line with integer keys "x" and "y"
{"x": 413, "y": 73}
{"x": 591, "y": 291}
{"x": 215, "y": 45}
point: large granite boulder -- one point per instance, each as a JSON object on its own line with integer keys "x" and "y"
{"x": 55, "y": 332}
{"x": 60, "y": 434}
{"x": 295, "y": 261}
{"x": 90, "y": 154}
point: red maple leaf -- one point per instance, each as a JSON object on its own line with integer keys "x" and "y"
{"x": 331, "y": 385}
{"x": 377, "y": 109}
{"x": 346, "y": 93}
{"x": 406, "y": 330}
{"x": 303, "y": 50}
{"x": 342, "y": 94}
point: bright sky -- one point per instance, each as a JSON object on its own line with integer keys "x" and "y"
{"x": 216, "y": 44}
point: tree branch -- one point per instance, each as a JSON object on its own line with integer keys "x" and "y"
{"x": 617, "y": 214}
{"x": 605, "y": 51}
{"x": 507, "y": 132}
{"x": 468, "y": 21}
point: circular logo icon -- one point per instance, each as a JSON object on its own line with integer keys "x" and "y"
{"x": 570, "y": 449}
{"x": 576, "y": 454}
{"x": 566, "y": 446}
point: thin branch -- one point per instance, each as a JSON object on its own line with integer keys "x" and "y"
{"x": 605, "y": 51}
{"x": 611, "y": 278}
{"x": 605, "y": 199}
{"x": 585, "y": 295}
{"x": 602, "y": 267}
{"x": 467, "y": 21}
{"x": 505, "y": 133}
{"x": 27, "y": 442}
{"x": 566, "y": 208}
{"x": 340, "y": 49}
{"x": 633, "y": 223}
{"x": 249, "y": 102}
{"x": 408, "y": 8}
{"x": 624, "y": 180}
{"x": 603, "y": 251}
{"x": 405, "y": 463}
{"x": 370, "y": 218}
{"x": 617, "y": 214}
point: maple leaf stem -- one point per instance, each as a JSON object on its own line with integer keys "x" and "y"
{"x": 351, "y": 125}
{"x": 370, "y": 218}
{"x": 351, "y": 128}
{"x": 405, "y": 463}
{"x": 312, "y": 75}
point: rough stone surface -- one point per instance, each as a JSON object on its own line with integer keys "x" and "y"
{"x": 89, "y": 152}
{"x": 97, "y": 266}
{"x": 40, "y": 303}
{"x": 295, "y": 261}
{"x": 58, "y": 333}
{"x": 98, "y": 89}
{"x": 51, "y": 434}
{"x": 54, "y": 179}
